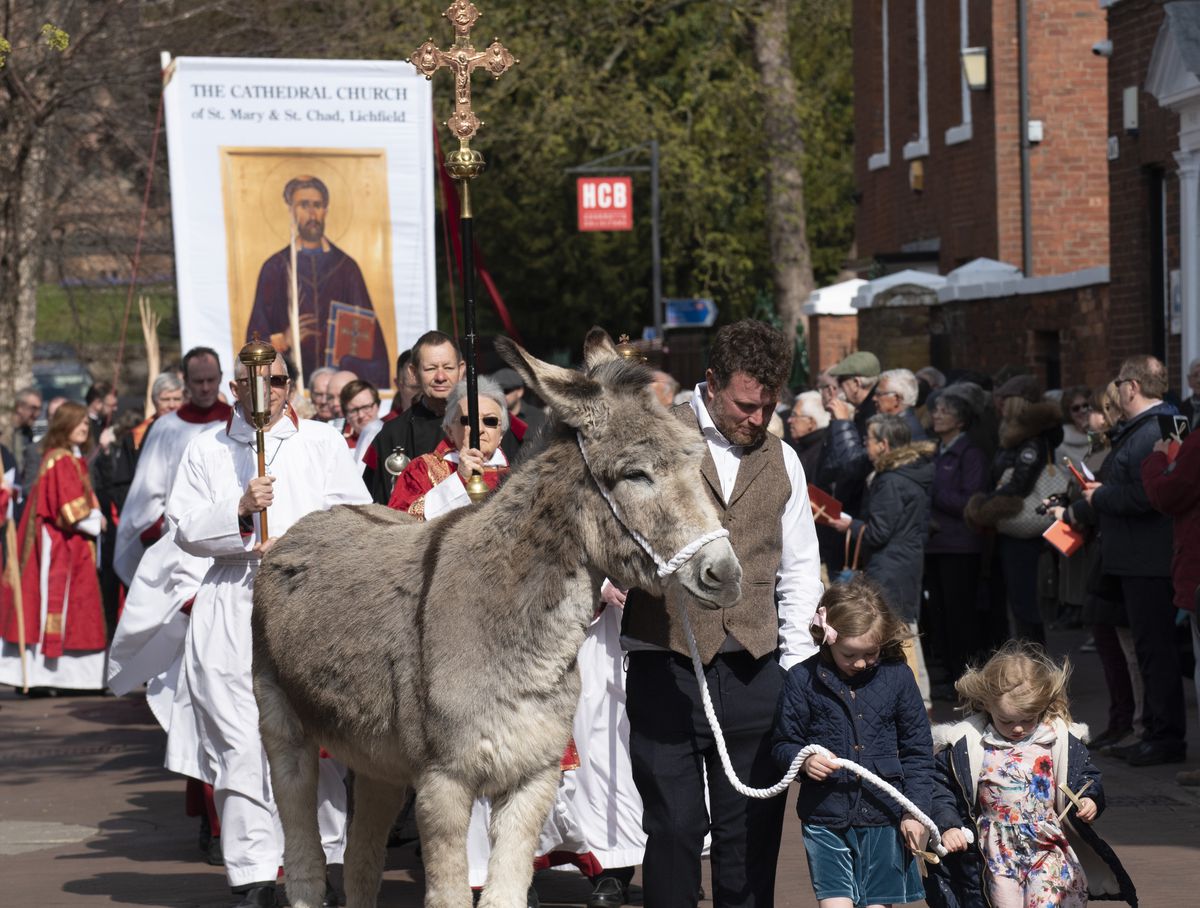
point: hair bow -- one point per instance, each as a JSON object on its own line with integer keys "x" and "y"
{"x": 821, "y": 621}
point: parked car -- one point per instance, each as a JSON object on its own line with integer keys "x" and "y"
{"x": 57, "y": 372}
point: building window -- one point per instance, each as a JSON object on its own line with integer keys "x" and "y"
{"x": 919, "y": 147}
{"x": 883, "y": 158}
{"x": 962, "y": 132}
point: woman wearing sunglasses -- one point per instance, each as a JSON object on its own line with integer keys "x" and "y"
{"x": 435, "y": 483}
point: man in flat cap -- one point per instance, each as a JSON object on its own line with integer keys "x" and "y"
{"x": 857, "y": 376}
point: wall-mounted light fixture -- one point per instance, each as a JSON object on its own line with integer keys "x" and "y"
{"x": 975, "y": 67}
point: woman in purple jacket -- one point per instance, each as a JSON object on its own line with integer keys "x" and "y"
{"x": 953, "y": 552}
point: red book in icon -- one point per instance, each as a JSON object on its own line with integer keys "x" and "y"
{"x": 351, "y": 333}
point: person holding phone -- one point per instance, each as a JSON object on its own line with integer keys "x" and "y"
{"x": 1135, "y": 550}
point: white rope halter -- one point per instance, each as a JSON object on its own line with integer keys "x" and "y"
{"x": 666, "y": 569}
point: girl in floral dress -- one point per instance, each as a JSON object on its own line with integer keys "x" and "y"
{"x": 1018, "y": 772}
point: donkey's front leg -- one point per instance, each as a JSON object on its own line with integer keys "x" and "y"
{"x": 443, "y": 814}
{"x": 517, "y": 817}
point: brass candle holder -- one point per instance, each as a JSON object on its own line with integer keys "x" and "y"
{"x": 258, "y": 357}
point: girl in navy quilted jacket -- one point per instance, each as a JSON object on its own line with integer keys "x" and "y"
{"x": 1016, "y": 770}
{"x": 859, "y": 699}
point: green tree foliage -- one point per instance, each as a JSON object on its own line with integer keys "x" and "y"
{"x": 598, "y": 77}
{"x": 593, "y": 78}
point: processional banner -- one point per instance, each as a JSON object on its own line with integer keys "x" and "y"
{"x": 302, "y": 207}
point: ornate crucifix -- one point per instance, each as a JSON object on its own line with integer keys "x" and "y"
{"x": 464, "y": 165}
{"x": 462, "y": 59}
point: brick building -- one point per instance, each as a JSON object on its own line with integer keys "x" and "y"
{"x": 938, "y": 166}
{"x": 1154, "y": 172}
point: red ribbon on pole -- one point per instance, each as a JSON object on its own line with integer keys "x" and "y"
{"x": 450, "y": 193}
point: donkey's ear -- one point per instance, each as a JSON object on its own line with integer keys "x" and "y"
{"x": 598, "y": 348}
{"x": 571, "y": 396}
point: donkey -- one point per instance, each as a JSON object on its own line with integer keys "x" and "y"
{"x": 441, "y": 655}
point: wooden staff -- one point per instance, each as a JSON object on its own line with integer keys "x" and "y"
{"x": 14, "y": 582}
{"x": 260, "y": 443}
{"x": 294, "y": 311}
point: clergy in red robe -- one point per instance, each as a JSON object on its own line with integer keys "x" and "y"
{"x": 61, "y": 617}
{"x": 435, "y": 483}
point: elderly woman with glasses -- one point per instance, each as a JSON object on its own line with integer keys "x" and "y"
{"x": 437, "y": 482}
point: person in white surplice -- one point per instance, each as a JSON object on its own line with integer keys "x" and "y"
{"x": 214, "y": 509}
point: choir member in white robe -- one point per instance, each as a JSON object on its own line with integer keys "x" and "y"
{"x": 215, "y": 508}
{"x": 141, "y": 521}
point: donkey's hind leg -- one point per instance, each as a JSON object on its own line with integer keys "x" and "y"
{"x": 376, "y": 804}
{"x": 517, "y": 818}
{"x": 293, "y": 762}
{"x": 443, "y": 815}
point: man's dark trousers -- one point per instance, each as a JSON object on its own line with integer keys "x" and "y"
{"x": 1149, "y": 603}
{"x": 670, "y": 744}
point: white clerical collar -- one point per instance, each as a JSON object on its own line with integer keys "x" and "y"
{"x": 240, "y": 429}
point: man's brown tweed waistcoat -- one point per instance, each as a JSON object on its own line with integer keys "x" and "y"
{"x": 754, "y": 518}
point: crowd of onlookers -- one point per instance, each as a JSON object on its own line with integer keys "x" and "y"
{"x": 115, "y": 435}
{"x": 946, "y": 485}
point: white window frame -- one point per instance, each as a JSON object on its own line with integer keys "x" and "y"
{"x": 883, "y": 158}
{"x": 963, "y": 132}
{"x": 919, "y": 148}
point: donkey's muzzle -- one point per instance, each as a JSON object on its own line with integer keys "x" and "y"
{"x": 713, "y": 576}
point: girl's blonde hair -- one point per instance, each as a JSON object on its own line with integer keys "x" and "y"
{"x": 857, "y": 608}
{"x": 1034, "y": 683}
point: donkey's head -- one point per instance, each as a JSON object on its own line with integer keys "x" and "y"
{"x": 645, "y": 466}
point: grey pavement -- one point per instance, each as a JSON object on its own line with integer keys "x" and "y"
{"x": 88, "y": 817}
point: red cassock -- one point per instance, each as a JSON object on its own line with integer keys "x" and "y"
{"x": 425, "y": 472}
{"x": 74, "y": 614}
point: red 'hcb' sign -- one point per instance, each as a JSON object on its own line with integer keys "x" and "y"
{"x": 605, "y": 203}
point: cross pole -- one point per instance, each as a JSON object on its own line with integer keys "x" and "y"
{"x": 463, "y": 165}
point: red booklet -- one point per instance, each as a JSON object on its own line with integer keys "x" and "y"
{"x": 1064, "y": 537}
{"x": 825, "y": 508}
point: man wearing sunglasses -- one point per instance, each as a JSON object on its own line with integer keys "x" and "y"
{"x": 215, "y": 507}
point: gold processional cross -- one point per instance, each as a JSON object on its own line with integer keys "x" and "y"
{"x": 462, "y": 59}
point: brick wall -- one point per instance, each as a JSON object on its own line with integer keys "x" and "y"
{"x": 1143, "y": 169}
{"x": 830, "y": 338}
{"x": 1069, "y": 169}
{"x": 971, "y": 201}
{"x": 1028, "y": 330}
{"x": 898, "y": 335}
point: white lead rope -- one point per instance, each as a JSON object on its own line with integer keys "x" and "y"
{"x": 710, "y": 713}
{"x": 666, "y": 569}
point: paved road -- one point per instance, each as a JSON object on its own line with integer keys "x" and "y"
{"x": 88, "y": 817}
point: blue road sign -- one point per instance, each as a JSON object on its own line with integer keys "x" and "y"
{"x": 690, "y": 313}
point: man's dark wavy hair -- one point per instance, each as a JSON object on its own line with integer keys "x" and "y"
{"x": 295, "y": 184}
{"x": 754, "y": 348}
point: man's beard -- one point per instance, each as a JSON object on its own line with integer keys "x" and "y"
{"x": 745, "y": 436}
{"x": 312, "y": 231}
